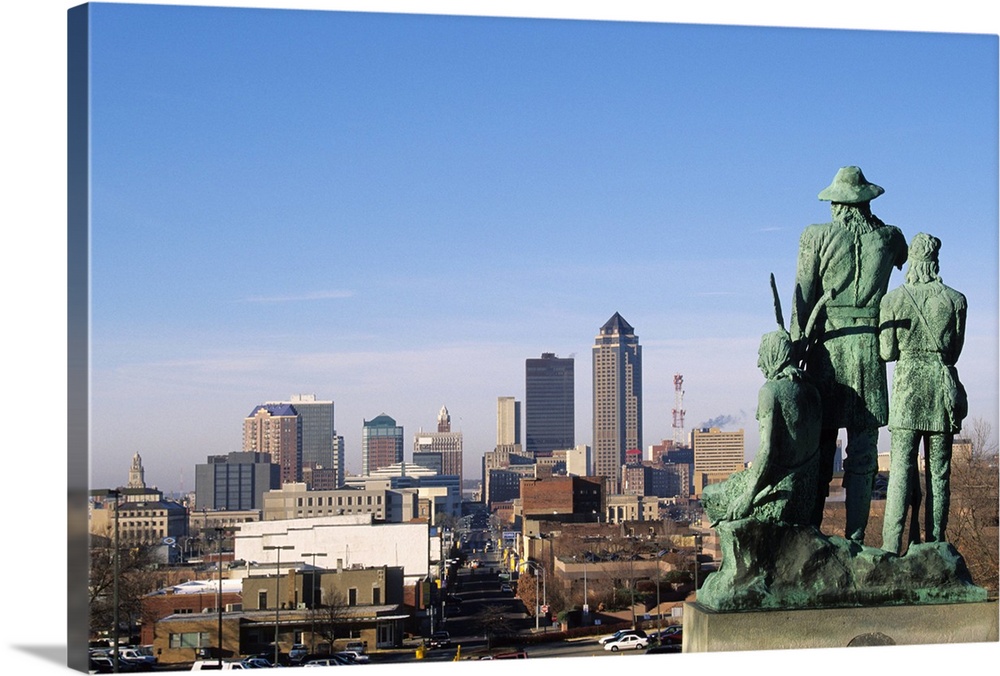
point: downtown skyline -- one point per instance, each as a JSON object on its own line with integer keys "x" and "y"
{"x": 394, "y": 212}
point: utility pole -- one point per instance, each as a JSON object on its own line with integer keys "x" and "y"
{"x": 117, "y": 572}
{"x": 218, "y": 562}
{"x": 277, "y": 593}
{"x": 312, "y": 603}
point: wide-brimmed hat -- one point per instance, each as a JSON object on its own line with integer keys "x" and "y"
{"x": 850, "y": 187}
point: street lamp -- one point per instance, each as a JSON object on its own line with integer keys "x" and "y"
{"x": 218, "y": 603}
{"x": 697, "y": 563}
{"x": 586, "y": 606}
{"x": 537, "y": 569}
{"x": 117, "y": 572}
{"x": 277, "y": 591}
{"x": 658, "y": 613}
{"x": 312, "y": 602}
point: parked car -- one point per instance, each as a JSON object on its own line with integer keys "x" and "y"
{"x": 330, "y": 661}
{"x": 354, "y": 656}
{"x": 334, "y": 660}
{"x": 627, "y": 642}
{"x": 298, "y": 653}
{"x": 517, "y": 655}
{"x": 439, "y": 639}
{"x": 356, "y": 646}
{"x": 671, "y": 634}
{"x": 105, "y": 664}
{"x": 215, "y": 665}
{"x": 140, "y": 659}
{"x": 506, "y": 588}
{"x": 664, "y": 648}
{"x": 604, "y": 640}
{"x": 257, "y": 663}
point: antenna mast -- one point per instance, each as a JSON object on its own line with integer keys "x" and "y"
{"x": 678, "y": 410}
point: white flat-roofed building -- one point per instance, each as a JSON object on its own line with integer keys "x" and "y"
{"x": 354, "y": 539}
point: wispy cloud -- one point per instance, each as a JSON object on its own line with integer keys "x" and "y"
{"x": 295, "y": 298}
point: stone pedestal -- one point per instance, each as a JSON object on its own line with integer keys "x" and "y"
{"x": 706, "y": 630}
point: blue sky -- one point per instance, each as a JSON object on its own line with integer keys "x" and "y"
{"x": 395, "y": 211}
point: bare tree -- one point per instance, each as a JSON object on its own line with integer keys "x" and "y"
{"x": 135, "y": 579}
{"x": 975, "y": 493}
{"x": 493, "y": 622}
{"x": 328, "y": 618}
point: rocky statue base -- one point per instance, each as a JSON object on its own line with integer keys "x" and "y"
{"x": 776, "y": 566}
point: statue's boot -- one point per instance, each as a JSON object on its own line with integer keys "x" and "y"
{"x": 858, "y": 488}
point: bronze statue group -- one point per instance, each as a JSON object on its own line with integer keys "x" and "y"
{"x": 827, "y": 373}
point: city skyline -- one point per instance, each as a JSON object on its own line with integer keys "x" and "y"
{"x": 324, "y": 224}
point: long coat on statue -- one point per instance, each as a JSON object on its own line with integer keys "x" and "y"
{"x": 923, "y": 329}
{"x": 854, "y": 263}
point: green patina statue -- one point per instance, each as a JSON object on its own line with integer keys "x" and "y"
{"x": 827, "y": 375}
{"x": 922, "y": 328}
{"x": 780, "y": 485}
{"x": 843, "y": 272}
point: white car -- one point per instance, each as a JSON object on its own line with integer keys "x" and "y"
{"x": 627, "y": 642}
{"x": 213, "y": 665}
{"x": 325, "y": 662}
{"x": 618, "y": 634}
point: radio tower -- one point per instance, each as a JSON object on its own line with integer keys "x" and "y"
{"x": 678, "y": 410}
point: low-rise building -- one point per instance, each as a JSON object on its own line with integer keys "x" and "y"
{"x": 321, "y": 608}
{"x": 195, "y": 597}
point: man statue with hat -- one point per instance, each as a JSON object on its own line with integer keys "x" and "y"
{"x": 922, "y": 329}
{"x": 843, "y": 273}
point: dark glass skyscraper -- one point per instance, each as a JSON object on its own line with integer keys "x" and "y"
{"x": 236, "y": 481}
{"x": 381, "y": 443}
{"x": 548, "y": 404}
{"x": 317, "y": 430}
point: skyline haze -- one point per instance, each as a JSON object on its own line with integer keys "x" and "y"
{"x": 394, "y": 211}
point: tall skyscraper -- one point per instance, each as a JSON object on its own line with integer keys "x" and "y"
{"x": 548, "y": 404}
{"x": 381, "y": 443}
{"x": 276, "y": 429}
{"x": 317, "y": 429}
{"x": 508, "y": 421}
{"x": 617, "y": 398}
{"x": 444, "y": 442}
{"x": 338, "y": 458}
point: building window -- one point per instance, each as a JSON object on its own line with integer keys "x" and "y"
{"x": 262, "y": 600}
{"x": 189, "y": 640}
{"x": 352, "y": 596}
